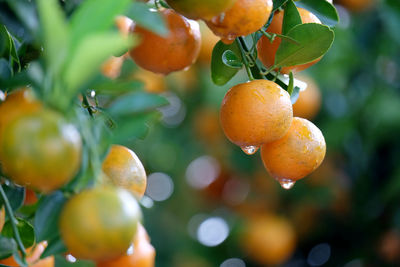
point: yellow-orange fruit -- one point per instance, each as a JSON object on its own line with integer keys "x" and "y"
{"x": 112, "y": 67}
{"x": 309, "y": 101}
{"x": 269, "y": 240}
{"x": 33, "y": 257}
{"x": 153, "y": 82}
{"x": 174, "y": 52}
{"x": 256, "y": 112}
{"x": 124, "y": 169}
{"x": 267, "y": 50}
{"x": 244, "y": 18}
{"x": 204, "y": 9}
{"x": 297, "y": 154}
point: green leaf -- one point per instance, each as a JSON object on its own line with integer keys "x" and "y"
{"x": 230, "y": 59}
{"x": 25, "y": 230}
{"x": 91, "y": 53}
{"x": 7, "y": 247}
{"x": 15, "y": 195}
{"x": 295, "y": 94}
{"x": 55, "y": 34}
{"x": 314, "y": 40}
{"x": 324, "y": 10}
{"x": 94, "y": 17}
{"x": 278, "y": 4}
{"x": 291, "y": 17}
{"x": 27, "y": 14}
{"x": 46, "y": 218}
{"x": 54, "y": 246}
{"x": 151, "y": 20}
{"x": 221, "y": 73}
{"x": 116, "y": 87}
{"x": 136, "y": 102}
{"x": 5, "y": 70}
{"x": 135, "y": 127}
{"x": 8, "y": 48}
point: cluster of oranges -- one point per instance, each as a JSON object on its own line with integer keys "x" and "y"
{"x": 99, "y": 223}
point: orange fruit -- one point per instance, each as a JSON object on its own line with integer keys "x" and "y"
{"x": 19, "y": 102}
{"x": 309, "y": 101}
{"x": 357, "y": 5}
{"x": 30, "y": 197}
{"x": 143, "y": 253}
{"x": 255, "y": 112}
{"x": 243, "y": 18}
{"x": 208, "y": 41}
{"x": 267, "y": 50}
{"x": 205, "y": 9}
{"x": 174, "y": 52}
{"x": 32, "y": 257}
{"x": 2, "y": 217}
{"x": 269, "y": 240}
{"x": 124, "y": 24}
{"x": 153, "y": 82}
{"x": 295, "y": 155}
{"x": 124, "y": 169}
{"x": 100, "y": 223}
{"x": 112, "y": 67}
{"x": 41, "y": 151}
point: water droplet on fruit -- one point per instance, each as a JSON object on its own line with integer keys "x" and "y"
{"x": 286, "y": 183}
{"x": 249, "y": 150}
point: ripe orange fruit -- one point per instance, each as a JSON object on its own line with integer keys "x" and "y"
{"x": 41, "y": 151}
{"x": 295, "y": 155}
{"x": 124, "y": 169}
{"x": 143, "y": 253}
{"x": 208, "y": 41}
{"x": 267, "y": 50}
{"x": 19, "y": 102}
{"x": 174, "y": 52}
{"x": 269, "y": 240}
{"x": 30, "y": 197}
{"x": 244, "y": 18}
{"x": 153, "y": 82}
{"x": 309, "y": 101}
{"x": 2, "y": 217}
{"x": 100, "y": 223}
{"x": 205, "y": 9}
{"x": 32, "y": 257}
{"x": 124, "y": 24}
{"x": 255, "y": 112}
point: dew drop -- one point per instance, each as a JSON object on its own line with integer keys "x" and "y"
{"x": 249, "y": 150}
{"x": 286, "y": 183}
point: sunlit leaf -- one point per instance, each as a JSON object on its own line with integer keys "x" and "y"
{"x": 221, "y": 73}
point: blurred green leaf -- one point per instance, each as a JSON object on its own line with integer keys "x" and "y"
{"x": 221, "y": 73}
{"x": 46, "y": 218}
{"x": 60, "y": 261}
{"x": 136, "y": 102}
{"x": 5, "y": 70}
{"x": 324, "y": 10}
{"x": 15, "y": 195}
{"x": 86, "y": 60}
{"x": 55, "y": 34}
{"x": 117, "y": 87}
{"x": 230, "y": 59}
{"x": 93, "y": 17}
{"x": 314, "y": 40}
{"x": 25, "y": 230}
{"x": 26, "y": 13}
{"x": 291, "y": 17}
{"x": 54, "y": 246}
{"x": 151, "y": 20}
{"x": 7, "y": 247}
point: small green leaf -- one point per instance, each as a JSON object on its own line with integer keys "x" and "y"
{"x": 46, "y": 218}
{"x": 295, "y": 94}
{"x": 291, "y": 83}
{"x": 291, "y": 17}
{"x": 15, "y": 195}
{"x": 314, "y": 40}
{"x": 221, "y": 73}
{"x": 55, "y": 34}
{"x": 230, "y": 59}
{"x": 86, "y": 60}
{"x": 7, "y": 247}
{"x": 136, "y": 102}
{"x": 94, "y": 17}
{"x": 25, "y": 230}
{"x": 151, "y": 20}
{"x": 324, "y": 10}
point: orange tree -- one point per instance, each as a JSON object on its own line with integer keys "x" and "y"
{"x": 56, "y": 147}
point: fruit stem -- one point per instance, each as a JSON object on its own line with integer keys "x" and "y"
{"x": 12, "y": 220}
{"x": 87, "y": 105}
{"x": 241, "y": 43}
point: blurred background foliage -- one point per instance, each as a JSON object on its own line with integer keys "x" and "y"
{"x": 205, "y": 196}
